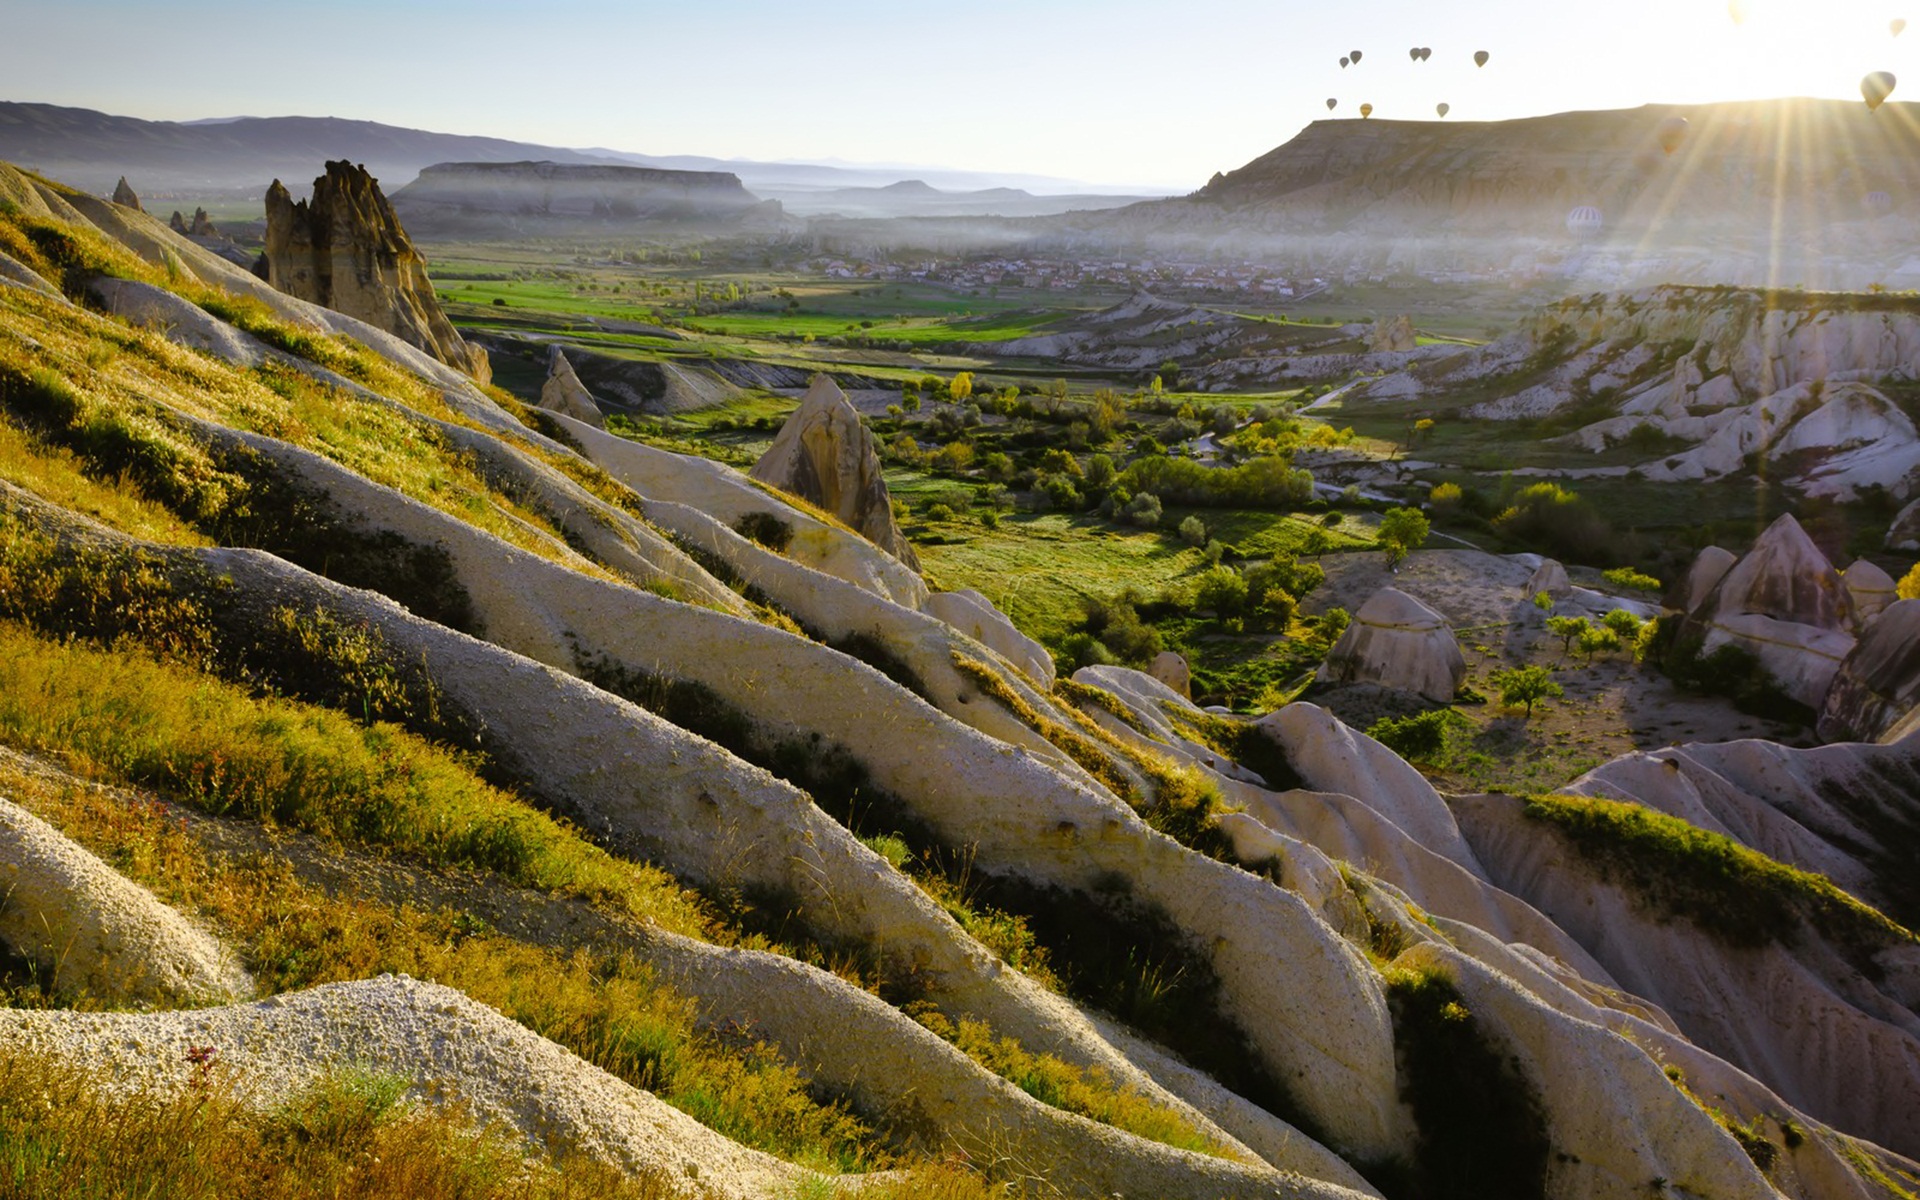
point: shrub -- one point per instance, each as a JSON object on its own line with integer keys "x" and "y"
{"x": 1909, "y": 586}
{"x": 1061, "y": 493}
{"x": 1632, "y": 580}
{"x": 954, "y": 457}
{"x": 1446, "y": 497}
{"x": 765, "y": 528}
{"x": 1623, "y": 623}
{"x": 1142, "y": 511}
{"x": 1543, "y": 601}
{"x": 1334, "y": 622}
{"x": 1222, "y": 590}
{"x": 939, "y": 513}
{"x": 1100, "y": 471}
{"x": 1597, "y": 639}
{"x": 1268, "y": 482}
{"x": 1421, "y": 738}
{"x": 1525, "y": 686}
{"x": 1557, "y": 521}
{"x": 1193, "y": 531}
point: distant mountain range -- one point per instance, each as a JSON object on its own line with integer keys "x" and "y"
{"x": 235, "y": 156}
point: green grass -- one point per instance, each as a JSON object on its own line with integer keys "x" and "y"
{"x": 604, "y": 1006}
{"x": 124, "y": 717}
{"x": 1737, "y": 895}
{"x": 66, "y": 1131}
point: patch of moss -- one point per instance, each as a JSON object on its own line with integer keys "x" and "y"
{"x": 1483, "y": 1134}
{"x": 1738, "y": 896}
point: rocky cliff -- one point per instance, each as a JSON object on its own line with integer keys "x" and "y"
{"x": 1803, "y": 382}
{"x": 450, "y": 199}
{"x": 345, "y": 249}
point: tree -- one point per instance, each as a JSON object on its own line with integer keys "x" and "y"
{"x": 1193, "y": 531}
{"x": 1401, "y": 532}
{"x": 1567, "y": 629}
{"x": 1143, "y": 510}
{"x": 1909, "y": 586}
{"x": 1316, "y": 543}
{"x": 1221, "y": 589}
{"x": 1623, "y": 623}
{"x": 1100, "y": 471}
{"x": 1597, "y": 639}
{"x": 960, "y": 386}
{"x": 1526, "y": 686}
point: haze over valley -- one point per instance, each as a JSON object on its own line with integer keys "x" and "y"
{"x": 778, "y": 602}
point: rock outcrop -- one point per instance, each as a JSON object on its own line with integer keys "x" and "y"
{"x": 1783, "y": 602}
{"x": 1877, "y": 689}
{"x": 92, "y": 930}
{"x": 453, "y": 199}
{"x": 199, "y": 226}
{"x": 1392, "y": 335}
{"x": 974, "y": 615}
{"x": 1171, "y": 669}
{"x": 1904, "y": 533}
{"x": 564, "y": 393}
{"x": 1709, "y": 567}
{"x": 345, "y": 250}
{"x": 1400, "y": 643}
{"x": 1870, "y": 589}
{"x": 1549, "y": 577}
{"x": 826, "y": 456}
{"x": 125, "y": 197}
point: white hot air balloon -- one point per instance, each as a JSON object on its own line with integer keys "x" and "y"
{"x": 1585, "y": 222}
{"x": 1443, "y": 108}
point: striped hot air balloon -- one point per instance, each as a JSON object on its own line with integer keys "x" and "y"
{"x": 1585, "y": 221}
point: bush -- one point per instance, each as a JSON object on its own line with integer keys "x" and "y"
{"x": 1117, "y": 624}
{"x": 1567, "y": 629}
{"x": 1909, "y": 586}
{"x": 939, "y": 513}
{"x": 1632, "y": 580}
{"x": 1100, "y": 471}
{"x": 1446, "y": 497}
{"x": 1142, "y": 511}
{"x": 1597, "y": 639}
{"x": 1222, "y": 590}
{"x": 1623, "y": 623}
{"x": 1061, "y": 493}
{"x": 1193, "y": 531}
{"x": 765, "y": 528}
{"x": 1421, "y": 738}
{"x": 1556, "y": 521}
{"x": 1269, "y": 482}
{"x": 1525, "y": 686}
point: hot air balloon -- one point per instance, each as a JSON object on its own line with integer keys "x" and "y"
{"x": 1414, "y": 54}
{"x": 1355, "y": 56}
{"x": 1443, "y": 109}
{"x": 1879, "y": 203}
{"x": 1426, "y": 52}
{"x": 1332, "y": 104}
{"x": 1585, "y": 221}
{"x": 1876, "y": 87}
{"x": 1480, "y": 58}
{"x": 1343, "y": 63}
{"x": 1897, "y": 26}
{"x": 1366, "y": 110}
{"x": 1673, "y": 131}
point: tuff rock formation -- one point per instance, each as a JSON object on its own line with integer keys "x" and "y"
{"x": 564, "y": 393}
{"x": 1904, "y": 533}
{"x": 974, "y": 615}
{"x": 345, "y": 250}
{"x": 1709, "y": 567}
{"x": 201, "y": 226}
{"x": 124, "y": 196}
{"x": 1784, "y": 602}
{"x": 1549, "y": 577}
{"x": 825, "y": 455}
{"x": 1171, "y": 669}
{"x": 1870, "y": 589}
{"x": 1398, "y": 642}
{"x": 1392, "y": 335}
{"x": 1877, "y": 690}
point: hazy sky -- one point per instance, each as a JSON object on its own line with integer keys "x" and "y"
{"x": 1119, "y": 91}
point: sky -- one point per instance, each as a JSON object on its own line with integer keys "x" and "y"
{"x": 1120, "y": 92}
